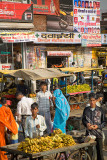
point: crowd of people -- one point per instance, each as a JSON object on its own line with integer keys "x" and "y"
{"x": 49, "y": 112}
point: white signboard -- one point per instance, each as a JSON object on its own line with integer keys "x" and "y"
{"x": 6, "y": 66}
{"x": 58, "y": 37}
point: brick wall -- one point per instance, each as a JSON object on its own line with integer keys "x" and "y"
{"x": 39, "y": 22}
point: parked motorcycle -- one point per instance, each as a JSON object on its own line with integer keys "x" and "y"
{"x": 66, "y": 19}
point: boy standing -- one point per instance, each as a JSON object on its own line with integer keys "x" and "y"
{"x": 44, "y": 103}
{"x": 35, "y": 124}
{"x": 94, "y": 121}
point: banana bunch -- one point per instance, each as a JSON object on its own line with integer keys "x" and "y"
{"x": 58, "y": 140}
{"x": 12, "y": 91}
{"x": 67, "y": 140}
{"x": 57, "y": 131}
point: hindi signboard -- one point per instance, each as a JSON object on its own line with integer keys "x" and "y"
{"x": 59, "y": 53}
{"x": 16, "y": 36}
{"x": 87, "y": 16}
{"x": 91, "y": 40}
{"x": 58, "y": 37}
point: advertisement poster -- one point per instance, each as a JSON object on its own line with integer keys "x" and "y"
{"x": 40, "y": 57}
{"x": 57, "y": 37}
{"x": 30, "y": 57}
{"x": 17, "y": 12}
{"x": 80, "y": 60}
{"x": 70, "y": 59}
{"x": 94, "y": 63}
{"x": 91, "y": 40}
{"x": 64, "y": 22}
{"x": 48, "y": 7}
{"x": 87, "y": 16}
{"x": 17, "y": 36}
{"x": 104, "y": 38}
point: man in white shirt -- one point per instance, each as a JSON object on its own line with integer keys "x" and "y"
{"x": 24, "y": 104}
{"x": 44, "y": 103}
{"x": 18, "y": 60}
{"x": 35, "y": 124}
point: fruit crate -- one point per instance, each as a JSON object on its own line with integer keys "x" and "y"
{"x": 76, "y": 122}
{"x": 70, "y": 89}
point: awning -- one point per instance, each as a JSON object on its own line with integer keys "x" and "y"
{"x": 10, "y": 25}
{"x": 37, "y": 74}
{"x": 73, "y": 69}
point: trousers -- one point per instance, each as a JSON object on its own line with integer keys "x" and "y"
{"x": 47, "y": 116}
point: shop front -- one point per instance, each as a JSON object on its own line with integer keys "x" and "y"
{"x": 8, "y": 55}
{"x": 100, "y": 56}
{"x": 58, "y": 58}
{"x": 59, "y": 47}
{"x": 13, "y": 48}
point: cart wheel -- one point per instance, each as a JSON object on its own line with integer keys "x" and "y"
{"x": 78, "y": 155}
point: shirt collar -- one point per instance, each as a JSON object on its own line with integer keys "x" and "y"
{"x": 35, "y": 118}
{"x": 43, "y": 92}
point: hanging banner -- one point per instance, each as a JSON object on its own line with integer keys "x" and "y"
{"x": 59, "y": 53}
{"x": 58, "y": 37}
{"x": 91, "y": 40}
{"x": 64, "y": 22}
{"x": 17, "y": 36}
{"x": 87, "y": 16}
{"x": 48, "y": 7}
{"x": 17, "y": 12}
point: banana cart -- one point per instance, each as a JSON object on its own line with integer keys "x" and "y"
{"x": 76, "y": 152}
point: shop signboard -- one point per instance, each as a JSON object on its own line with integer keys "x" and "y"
{"x": 59, "y": 53}
{"x": 17, "y": 12}
{"x": 91, "y": 40}
{"x": 87, "y": 16}
{"x": 17, "y": 36}
{"x": 64, "y": 22}
{"x": 48, "y": 7}
{"x": 104, "y": 38}
{"x": 58, "y": 37}
{"x": 6, "y": 66}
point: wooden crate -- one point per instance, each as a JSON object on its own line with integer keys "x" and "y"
{"x": 76, "y": 122}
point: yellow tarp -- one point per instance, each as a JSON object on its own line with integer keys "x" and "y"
{"x": 6, "y": 71}
{"x": 72, "y": 69}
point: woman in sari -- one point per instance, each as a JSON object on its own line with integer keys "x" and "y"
{"x": 6, "y": 121}
{"x": 62, "y": 111}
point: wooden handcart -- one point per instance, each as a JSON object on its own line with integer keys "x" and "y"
{"x": 76, "y": 152}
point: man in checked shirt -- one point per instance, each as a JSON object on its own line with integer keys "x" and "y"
{"x": 94, "y": 121}
{"x": 44, "y": 103}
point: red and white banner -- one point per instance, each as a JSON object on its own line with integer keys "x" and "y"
{"x": 59, "y": 53}
{"x": 17, "y": 36}
{"x": 91, "y": 40}
{"x": 17, "y": 12}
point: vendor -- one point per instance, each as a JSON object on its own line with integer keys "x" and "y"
{"x": 23, "y": 88}
{"x": 81, "y": 78}
{"x": 62, "y": 82}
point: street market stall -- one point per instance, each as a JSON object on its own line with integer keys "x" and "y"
{"x": 78, "y": 94}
